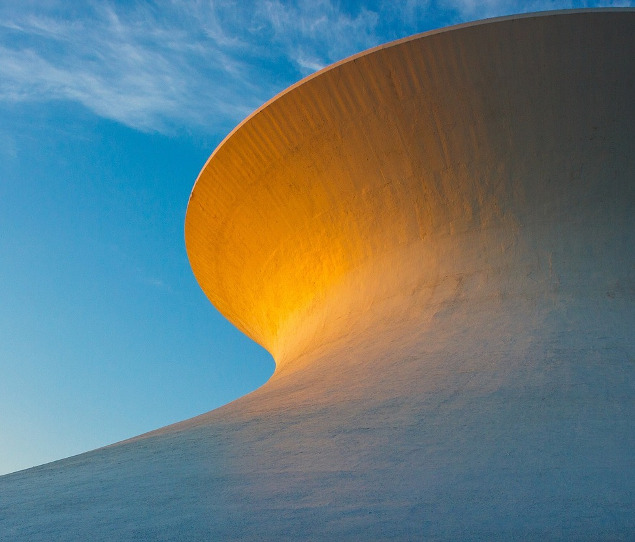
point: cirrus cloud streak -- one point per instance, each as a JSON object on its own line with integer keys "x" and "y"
{"x": 205, "y": 64}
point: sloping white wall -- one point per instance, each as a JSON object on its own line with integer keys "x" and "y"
{"x": 447, "y": 224}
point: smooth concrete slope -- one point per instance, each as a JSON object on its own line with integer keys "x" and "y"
{"x": 435, "y": 240}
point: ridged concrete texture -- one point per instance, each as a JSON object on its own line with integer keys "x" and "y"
{"x": 435, "y": 240}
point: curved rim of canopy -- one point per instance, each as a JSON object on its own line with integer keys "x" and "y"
{"x": 196, "y": 226}
{"x": 387, "y": 45}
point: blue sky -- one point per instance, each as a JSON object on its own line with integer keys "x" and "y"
{"x": 108, "y": 110}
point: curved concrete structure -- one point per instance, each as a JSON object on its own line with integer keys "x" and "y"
{"x": 435, "y": 241}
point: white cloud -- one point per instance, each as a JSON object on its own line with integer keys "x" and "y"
{"x": 478, "y": 9}
{"x": 314, "y": 33}
{"x": 202, "y": 63}
{"x": 308, "y": 63}
{"x": 146, "y": 70}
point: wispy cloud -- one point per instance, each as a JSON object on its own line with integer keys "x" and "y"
{"x": 314, "y": 33}
{"x": 149, "y": 69}
{"x": 478, "y": 9}
{"x": 185, "y": 64}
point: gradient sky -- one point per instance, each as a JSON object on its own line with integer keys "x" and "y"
{"x": 108, "y": 111}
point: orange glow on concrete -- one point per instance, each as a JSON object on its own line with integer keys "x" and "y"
{"x": 397, "y": 155}
{"x": 435, "y": 241}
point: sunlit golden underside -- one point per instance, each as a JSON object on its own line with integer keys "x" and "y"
{"x": 438, "y": 150}
{"x": 435, "y": 240}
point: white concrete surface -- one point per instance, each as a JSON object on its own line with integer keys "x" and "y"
{"x": 435, "y": 240}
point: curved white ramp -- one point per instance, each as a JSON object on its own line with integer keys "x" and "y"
{"x": 435, "y": 240}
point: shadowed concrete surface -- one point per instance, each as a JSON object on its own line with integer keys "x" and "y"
{"x": 435, "y": 241}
